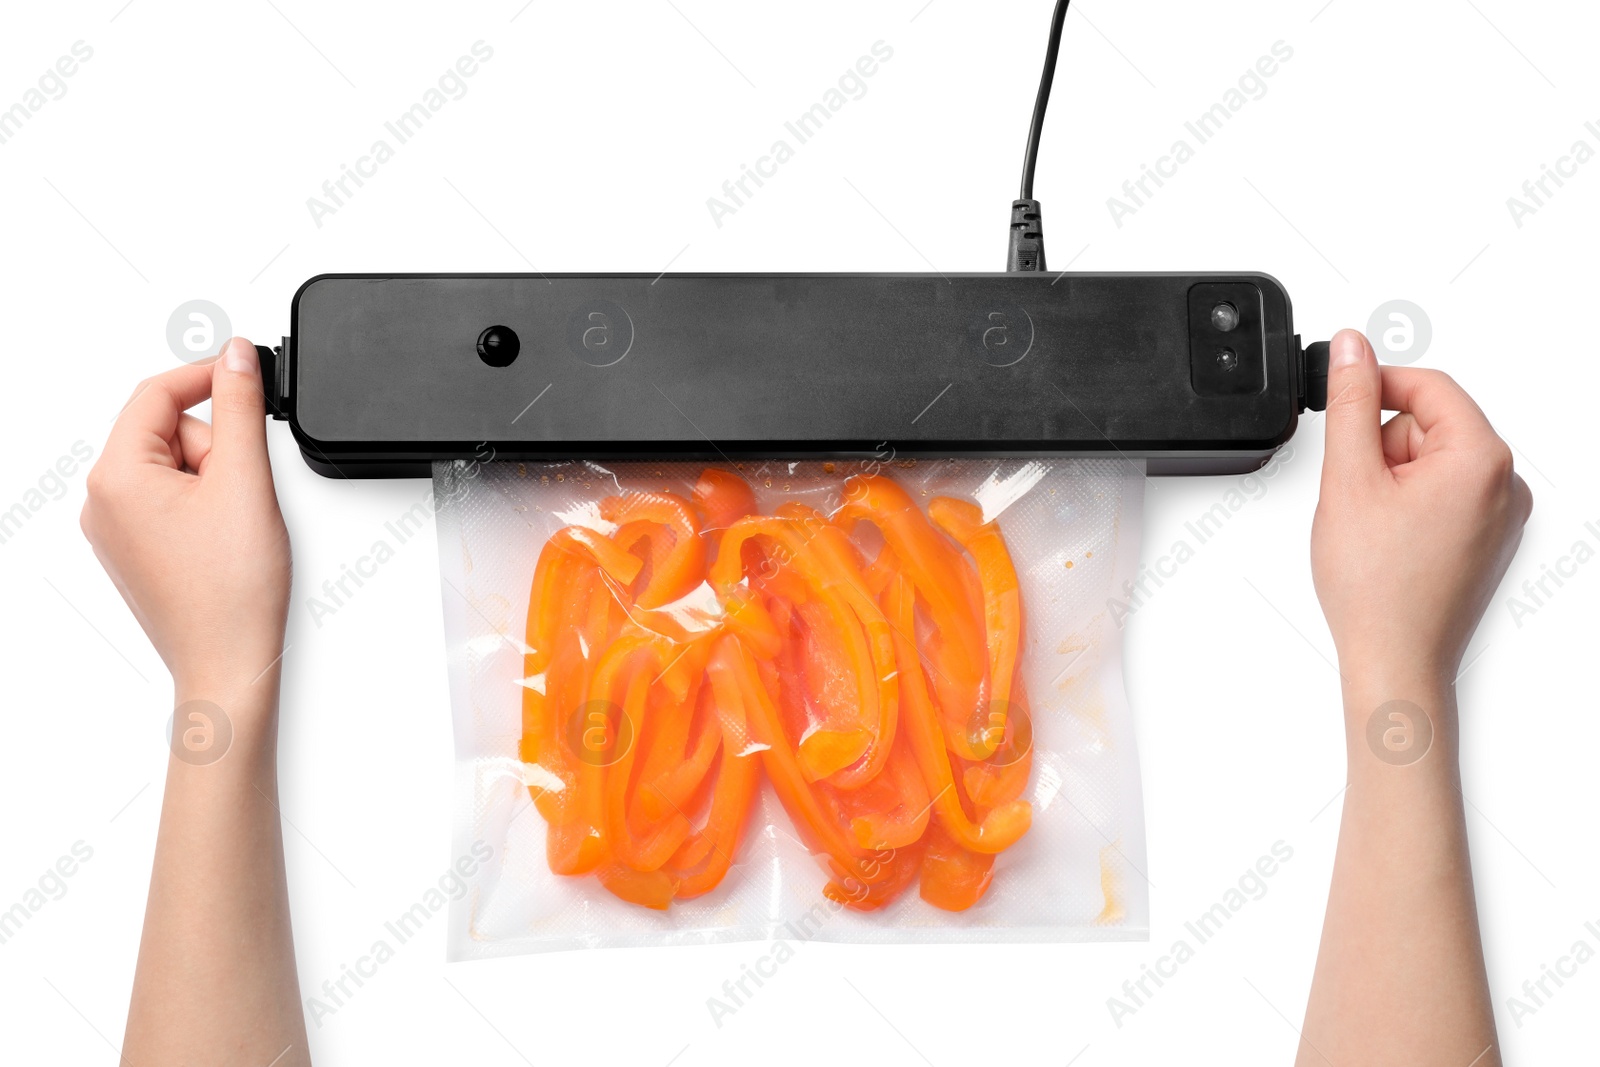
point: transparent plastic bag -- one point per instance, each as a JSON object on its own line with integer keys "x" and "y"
{"x": 692, "y": 748}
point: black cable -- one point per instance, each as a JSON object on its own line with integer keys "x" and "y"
{"x": 1025, "y": 251}
{"x": 1030, "y": 157}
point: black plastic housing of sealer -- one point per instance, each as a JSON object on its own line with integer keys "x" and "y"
{"x": 385, "y": 373}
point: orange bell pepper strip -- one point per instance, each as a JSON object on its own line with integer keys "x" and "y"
{"x": 1007, "y": 733}
{"x": 706, "y": 857}
{"x": 723, "y": 498}
{"x": 842, "y": 551}
{"x": 880, "y": 572}
{"x": 777, "y": 581}
{"x": 575, "y": 842}
{"x": 668, "y": 732}
{"x": 794, "y": 714}
{"x": 626, "y": 671}
{"x": 729, "y": 569}
{"x": 745, "y": 615}
{"x": 548, "y": 604}
{"x": 692, "y": 855}
{"x": 811, "y": 821}
{"x": 931, "y": 561}
{"x": 1004, "y": 775}
{"x": 843, "y": 565}
{"x": 680, "y": 623}
{"x": 673, "y": 769}
{"x": 1002, "y": 600}
{"x": 825, "y": 667}
{"x": 649, "y": 889}
{"x": 940, "y": 576}
{"x": 557, "y": 602}
{"x": 953, "y": 878}
{"x": 578, "y": 839}
{"x": 1001, "y": 827}
{"x": 557, "y": 607}
{"x": 730, "y": 811}
{"x": 680, "y": 567}
{"x": 572, "y": 848}
{"x": 685, "y": 667}
{"x": 962, "y": 703}
{"x": 822, "y": 673}
{"x": 851, "y": 746}
{"x": 552, "y": 610}
{"x": 670, "y": 776}
{"x": 891, "y": 811}
{"x": 607, "y": 554}
{"x": 844, "y": 737}
{"x": 900, "y": 868}
{"x": 640, "y": 540}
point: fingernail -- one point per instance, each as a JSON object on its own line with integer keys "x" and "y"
{"x": 1346, "y": 349}
{"x": 241, "y": 357}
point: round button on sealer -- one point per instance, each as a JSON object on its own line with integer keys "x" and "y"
{"x": 498, "y": 346}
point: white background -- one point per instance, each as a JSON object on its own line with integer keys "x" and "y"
{"x": 1377, "y": 166}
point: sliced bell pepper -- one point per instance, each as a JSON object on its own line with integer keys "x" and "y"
{"x": 851, "y": 746}
{"x": 558, "y": 602}
{"x": 747, "y": 617}
{"x": 679, "y": 568}
{"x": 899, "y": 868}
{"x": 794, "y": 714}
{"x": 788, "y": 781}
{"x": 719, "y": 839}
{"x": 931, "y": 561}
{"x": 1004, "y": 775}
{"x": 1006, "y": 732}
{"x": 825, "y": 678}
{"x": 623, "y": 680}
{"x": 679, "y": 742}
{"x": 723, "y": 498}
{"x": 842, "y": 561}
{"x": 648, "y": 889}
{"x": 894, "y": 761}
{"x": 1002, "y": 600}
{"x": 576, "y": 843}
{"x": 846, "y": 733}
{"x": 1001, "y": 827}
{"x": 937, "y": 571}
{"x": 953, "y": 878}
{"x": 891, "y": 811}
{"x": 549, "y": 603}
{"x": 705, "y": 858}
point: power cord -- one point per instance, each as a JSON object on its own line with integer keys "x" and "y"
{"x": 1026, "y": 251}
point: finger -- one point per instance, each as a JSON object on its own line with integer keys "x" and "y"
{"x": 150, "y": 417}
{"x": 1402, "y": 439}
{"x": 1433, "y": 397}
{"x": 1354, "y": 443}
{"x": 238, "y": 409}
{"x": 1523, "y": 497}
{"x": 193, "y": 442}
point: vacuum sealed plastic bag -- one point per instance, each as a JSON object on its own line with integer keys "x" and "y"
{"x": 868, "y": 701}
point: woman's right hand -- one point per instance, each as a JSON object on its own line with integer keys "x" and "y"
{"x": 184, "y": 518}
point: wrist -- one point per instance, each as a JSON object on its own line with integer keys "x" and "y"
{"x": 1374, "y": 672}
{"x": 243, "y": 668}
{"x": 215, "y": 714}
{"x": 1398, "y": 716}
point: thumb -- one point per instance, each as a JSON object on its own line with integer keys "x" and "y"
{"x": 1355, "y": 400}
{"x": 238, "y": 409}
